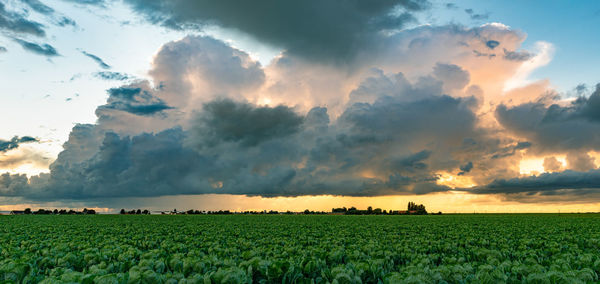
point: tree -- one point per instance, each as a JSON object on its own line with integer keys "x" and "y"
{"x": 413, "y": 208}
{"x": 138, "y": 212}
{"x": 27, "y": 211}
{"x": 122, "y": 211}
{"x": 146, "y": 212}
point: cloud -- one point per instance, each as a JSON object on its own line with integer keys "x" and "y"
{"x": 556, "y": 128}
{"x": 558, "y": 183}
{"x": 17, "y": 24}
{"x": 117, "y": 76}
{"x": 451, "y": 6}
{"x": 39, "y": 7}
{"x": 335, "y": 32}
{"x": 465, "y": 168}
{"x": 492, "y": 44}
{"x": 394, "y": 144}
{"x": 476, "y": 16}
{"x": 134, "y": 100}
{"x": 98, "y": 60}
{"x": 2, "y": 49}
{"x": 210, "y": 119}
{"x": 517, "y": 55}
{"x": 551, "y": 164}
{"x": 453, "y": 76}
{"x": 545, "y": 52}
{"x": 15, "y": 142}
{"x": 581, "y": 162}
{"x": 41, "y": 49}
{"x": 227, "y": 121}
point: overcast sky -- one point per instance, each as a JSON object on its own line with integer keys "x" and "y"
{"x": 492, "y": 105}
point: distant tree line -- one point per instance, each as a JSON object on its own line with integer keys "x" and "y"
{"x": 134, "y": 212}
{"x": 28, "y": 211}
{"x": 412, "y": 209}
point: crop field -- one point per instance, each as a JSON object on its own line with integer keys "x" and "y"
{"x": 524, "y": 248}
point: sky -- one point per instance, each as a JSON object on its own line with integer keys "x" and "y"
{"x": 464, "y": 106}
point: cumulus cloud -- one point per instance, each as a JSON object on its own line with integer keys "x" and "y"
{"x": 581, "y": 162}
{"x": 575, "y": 126}
{"x": 227, "y": 121}
{"x": 551, "y": 164}
{"x": 392, "y": 143}
{"x": 335, "y": 32}
{"x": 210, "y": 119}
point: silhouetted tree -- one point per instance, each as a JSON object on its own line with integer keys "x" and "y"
{"x": 27, "y": 211}
{"x": 122, "y": 211}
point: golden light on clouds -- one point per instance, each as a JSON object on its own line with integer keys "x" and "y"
{"x": 455, "y": 181}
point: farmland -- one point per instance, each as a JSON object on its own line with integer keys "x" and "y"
{"x": 528, "y": 248}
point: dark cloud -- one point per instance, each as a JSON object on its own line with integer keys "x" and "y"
{"x": 555, "y": 127}
{"x": 13, "y": 185}
{"x": 18, "y": 24}
{"x": 483, "y": 54}
{"x": 2, "y": 49}
{"x": 98, "y": 60}
{"x": 15, "y": 142}
{"x": 117, "y": 76}
{"x": 517, "y": 55}
{"x": 227, "y": 121}
{"x": 475, "y": 16}
{"x": 66, "y": 21}
{"x": 491, "y": 44}
{"x": 511, "y": 150}
{"x": 239, "y": 148}
{"x": 41, "y": 49}
{"x": 317, "y": 30}
{"x": 558, "y": 183}
{"x": 39, "y": 7}
{"x": 581, "y": 89}
{"x": 132, "y": 100}
{"x": 48, "y": 11}
{"x": 465, "y": 168}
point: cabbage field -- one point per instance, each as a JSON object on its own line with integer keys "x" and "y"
{"x": 528, "y": 248}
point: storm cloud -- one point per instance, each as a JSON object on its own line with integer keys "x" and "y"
{"x": 559, "y": 183}
{"x": 336, "y": 29}
{"x": 575, "y": 126}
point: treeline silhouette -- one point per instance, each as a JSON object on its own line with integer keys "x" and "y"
{"x": 412, "y": 209}
{"x": 28, "y": 211}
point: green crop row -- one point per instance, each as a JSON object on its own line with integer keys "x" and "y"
{"x": 300, "y": 249}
